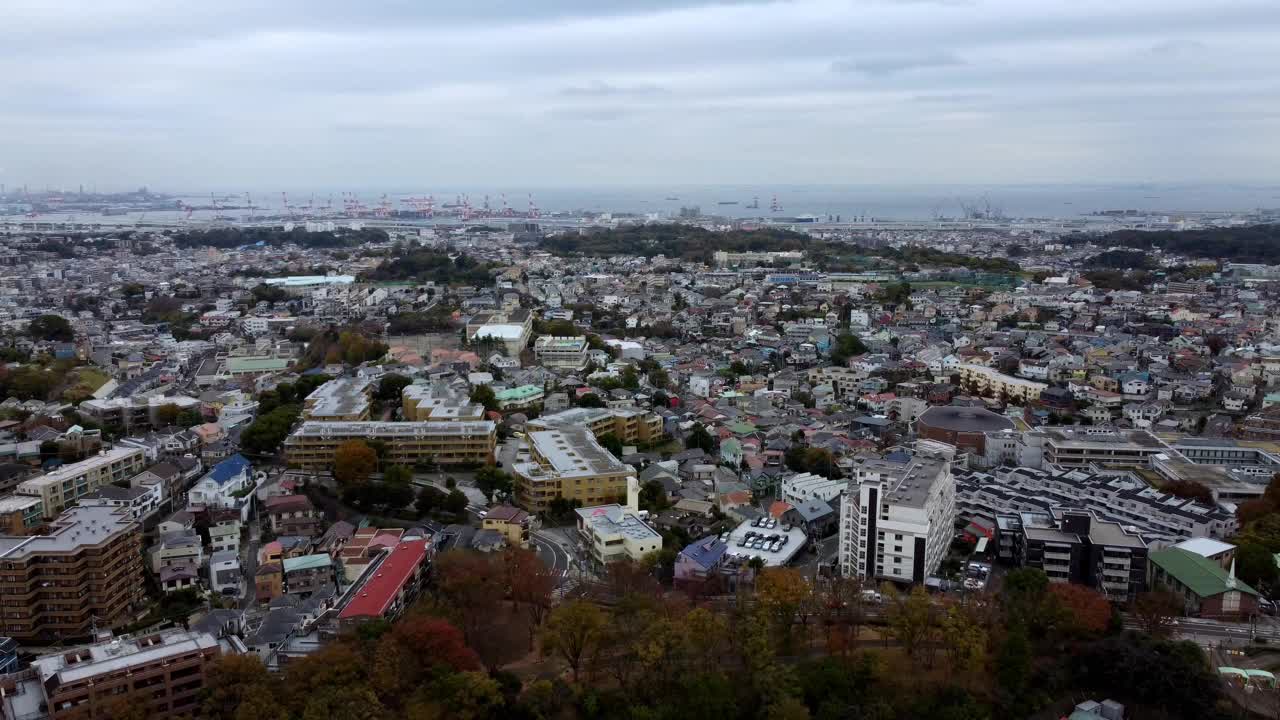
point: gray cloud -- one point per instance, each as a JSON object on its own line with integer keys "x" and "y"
{"x": 890, "y": 64}
{"x": 560, "y": 92}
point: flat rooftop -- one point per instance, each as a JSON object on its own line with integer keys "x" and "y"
{"x": 339, "y": 397}
{"x": 574, "y": 451}
{"x": 120, "y": 654}
{"x": 617, "y": 520}
{"x": 67, "y": 472}
{"x": 784, "y": 555}
{"x": 373, "y": 428}
{"x": 1104, "y": 438}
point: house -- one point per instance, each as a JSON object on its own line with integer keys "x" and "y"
{"x": 182, "y": 575}
{"x": 180, "y": 547}
{"x": 699, "y": 561}
{"x": 229, "y": 485}
{"x": 308, "y": 574}
{"x": 224, "y": 536}
{"x": 268, "y": 582}
{"x": 512, "y": 523}
{"x": 224, "y": 573}
{"x": 292, "y": 515}
{"x": 816, "y": 517}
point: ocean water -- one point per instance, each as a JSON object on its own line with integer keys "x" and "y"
{"x": 849, "y": 202}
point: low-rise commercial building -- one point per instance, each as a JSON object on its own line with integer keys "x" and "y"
{"x": 61, "y": 487}
{"x": 569, "y": 463}
{"x": 964, "y": 427}
{"x": 313, "y": 445}
{"x": 615, "y": 532}
{"x": 1080, "y": 447}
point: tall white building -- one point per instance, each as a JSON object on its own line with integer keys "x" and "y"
{"x": 896, "y": 519}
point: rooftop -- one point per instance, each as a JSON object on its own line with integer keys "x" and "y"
{"x": 964, "y": 419}
{"x": 572, "y": 451}
{"x": 67, "y": 472}
{"x": 338, "y": 398}
{"x": 116, "y": 655}
{"x": 379, "y": 592}
{"x": 1203, "y": 576}
{"x": 76, "y": 527}
{"x": 369, "y": 428}
{"x": 616, "y": 520}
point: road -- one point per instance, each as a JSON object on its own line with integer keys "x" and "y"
{"x": 1215, "y": 632}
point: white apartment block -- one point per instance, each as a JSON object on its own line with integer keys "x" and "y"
{"x": 569, "y": 353}
{"x": 804, "y": 487}
{"x": 896, "y": 519}
{"x": 614, "y": 532}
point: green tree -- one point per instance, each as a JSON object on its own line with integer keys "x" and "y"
{"x": 52, "y": 328}
{"x": 189, "y": 418}
{"x": 167, "y": 415}
{"x": 610, "y": 442}
{"x": 699, "y": 438}
{"x": 845, "y": 347}
{"x": 483, "y": 395}
{"x": 397, "y": 475}
{"x": 1256, "y": 566}
{"x": 911, "y": 620}
{"x": 455, "y": 502}
{"x": 391, "y": 386}
{"x": 493, "y": 482}
{"x": 429, "y": 500}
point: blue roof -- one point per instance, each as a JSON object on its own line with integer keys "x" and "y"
{"x": 229, "y": 468}
{"x": 706, "y": 552}
{"x": 899, "y": 456}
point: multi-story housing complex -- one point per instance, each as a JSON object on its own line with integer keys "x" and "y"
{"x": 313, "y": 444}
{"x": 386, "y": 592}
{"x": 134, "y": 413}
{"x": 21, "y": 514}
{"x": 569, "y": 463}
{"x": 1120, "y": 498}
{"x": 1082, "y": 549}
{"x": 342, "y": 399}
{"x": 628, "y": 425}
{"x": 843, "y": 380}
{"x": 60, "y": 487}
{"x": 896, "y": 519}
{"x": 568, "y": 353}
{"x": 1080, "y": 447}
{"x": 85, "y": 572}
{"x": 802, "y": 488}
{"x": 164, "y": 671}
{"x": 991, "y": 382}
{"x": 723, "y": 257}
{"x": 438, "y": 403}
{"x": 614, "y": 532}
{"x": 141, "y": 501}
{"x": 520, "y": 396}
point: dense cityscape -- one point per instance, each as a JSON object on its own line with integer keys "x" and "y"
{"x": 485, "y": 468}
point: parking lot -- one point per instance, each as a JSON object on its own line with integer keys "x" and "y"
{"x": 771, "y": 541}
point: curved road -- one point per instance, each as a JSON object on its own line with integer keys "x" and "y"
{"x": 555, "y": 556}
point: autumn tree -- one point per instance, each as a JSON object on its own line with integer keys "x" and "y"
{"x": 474, "y": 585}
{"x": 1085, "y": 610}
{"x": 784, "y": 594}
{"x": 232, "y": 683}
{"x": 911, "y": 619}
{"x": 843, "y": 613}
{"x": 573, "y": 632}
{"x": 1156, "y": 610}
{"x": 963, "y": 638}
{"x": 530, "y": 584}
{"x": 167, "y": 415}
{"x": 353, "y": 462}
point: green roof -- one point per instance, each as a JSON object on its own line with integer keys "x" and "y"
{"x": 1205, "y": 577}
{"x": 518, "y": 393}
{"x": 742, "y": 428}
{"x": 307, "y": 562}
{"x": 251, "y": 364}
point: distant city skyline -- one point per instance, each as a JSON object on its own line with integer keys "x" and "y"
{"x": 294, "y": 95}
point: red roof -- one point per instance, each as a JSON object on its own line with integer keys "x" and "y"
{"x": 381, "y": 590}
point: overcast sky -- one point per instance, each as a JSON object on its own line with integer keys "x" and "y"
{"x": 293, "y": 94}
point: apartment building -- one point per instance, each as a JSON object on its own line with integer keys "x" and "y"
{"x": 805, "y": 487}
{"x": 628, "y": 425}
{"x": 519, "y": 397}
{"x": 392, "y": 587}
{"x": 896, "y": 519}
{"x": 512, "y": 328}
{"x": 313, "y": 444}
{"x": 60, "y": 487}
{"x": 566, "y": 353}
{"x": 134, "y": 413}
{"x": 990, "y": 382}
{"x": 614, "y": 532}
{"x": 569, "y": 463}
{"x": 438, "y": 403}
{"x": 1123, "y": 499}
{"x": 1082, "y": 549}
{"x": 843, "y": 380}
{"x": 165, "y": 671}
{"x": 1080, "y": 447}
{"x": 342, "y": 399}
{"x": 21, "y": 514}
{"x": 85, "y": 572}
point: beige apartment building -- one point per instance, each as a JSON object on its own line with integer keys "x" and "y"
{"x": 313, "y": 445}
{"x": 569, "y": 463}
{"x": 438, "y": 403}
{"x": 60, "y": 487}
{"x": 629, "y": 425}
{"x": 992, "y": 383}
{"x": 343, "y": 399}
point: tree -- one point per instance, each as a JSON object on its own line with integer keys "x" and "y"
{"x": 493, "y": 482}
{"x": 189, "y": 418}
{"x": 456, "y": 502}
{"x": 573, "y": 632}
{"x": 483, "y": 395}
{"x": 474, "y": 584}
{"x": 1156, "y": 610}
{"x": 231, "y": 680}
{"x": 1085, "y": 610}
{"x": 845, "y": 347}
{"x": 910, "y": 619}
{"x": 653, "y": 497}
{"x": 699, "y": 438}
{"x": 54, "y": 328}
{"x": 167, "y": 415}
{"x": 397, "y": 475}
{"x": 963, "y": 638}
{"x": 1256, "y": 566}
{"x": 265, "y": 434}
{"x": 429, "y": 500}
{"x": 610, "y": 442}
{"x": 391, "y": 386}
{"x": 1013, "y": 667}
{"x": 590, "y": 400}
{"x": 530, "y": 584}
{"x": 353, "y": 462}
{"x": 784, "y": 594}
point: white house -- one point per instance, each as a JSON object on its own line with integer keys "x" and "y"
{"x": 229, "y": 485}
